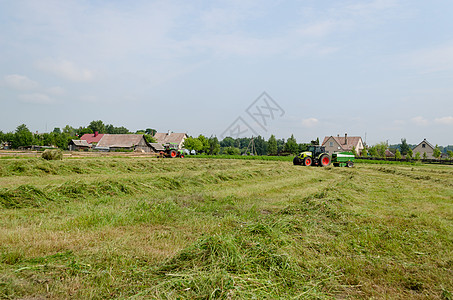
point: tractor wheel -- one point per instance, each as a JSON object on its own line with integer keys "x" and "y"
{"x": 349, "y": 164}
{"x": 297, "y": 161}
{"x": 308, "y": 161}
{"x": 324, "y": 160}
{"x": 173, "y": 153}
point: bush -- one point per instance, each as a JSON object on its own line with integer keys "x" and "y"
{"x": 52, "y": 154}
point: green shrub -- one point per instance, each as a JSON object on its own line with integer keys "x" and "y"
{"x": 52, "y": 154}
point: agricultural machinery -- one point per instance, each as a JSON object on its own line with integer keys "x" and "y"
{"x": 343, "y": 159}
{"x": 317, "y": 156}
{"x": 171, "y": 150}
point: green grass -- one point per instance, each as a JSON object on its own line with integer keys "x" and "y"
{"x": 145, "y": 228}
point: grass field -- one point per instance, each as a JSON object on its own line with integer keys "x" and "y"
{"x": 145, "y": 228}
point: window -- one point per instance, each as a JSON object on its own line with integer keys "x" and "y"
{"x": 423, "y": 145}
{"x": 331, "y": 144}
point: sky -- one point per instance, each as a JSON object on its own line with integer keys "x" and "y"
{"x": 379, "y": 69}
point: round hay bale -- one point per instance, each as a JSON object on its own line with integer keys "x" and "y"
{"x": 52, "y": 154}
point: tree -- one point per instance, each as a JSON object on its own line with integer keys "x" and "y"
{"x": 261, "y": 145}
{"x": 57, "y": 130}
{"x": 149, "y": 138}
{"x": 404, "y": 147}
{"x": 373, "y": 151}
{"x": 22, "y": 137}
{"x": 364, "y": 152}
{"x": 97, "y": 126}
{"x": 191, "y": 143}
{"x": 291, "y": 145}
{"x": 214, "y": 145}
{"x": 205, "y": 143}
{"x": 231, "y": 151}
{"x": 354, "y": 151}
{"x": 409, "y": 153}
{"x": 272, "y": 145}
{"x": 227, "y": 142}
{"x": 397, "y": 154}
{"x": 151, "y": 131}
{"x": 381, "y": 147}
{"x": 69, "y": 130}
{"x": 303, "y": 147}
{"x": 436, "y": 152}
{"x": 450, "y": 154}
{"x": 417, "y": 156}
{"x": 83, "y": 130}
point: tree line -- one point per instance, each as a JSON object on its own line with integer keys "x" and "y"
{"x": 60, "y": 137}
{"x": 22, "y": 137}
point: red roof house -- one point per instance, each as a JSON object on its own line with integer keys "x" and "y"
{"x": 92, "y": 138}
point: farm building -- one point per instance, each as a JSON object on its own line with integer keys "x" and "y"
{"x": 124, "y": 142}
{"x": 343, "y": 143}
{"x": 170, "y": 138}
{"x": 424, "y": 147}
{"x": 75, "y": 145}
{"x": 92, "y": 138}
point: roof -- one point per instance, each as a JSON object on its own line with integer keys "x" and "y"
{"x": 352, "y": 141}
{"x": 81, "y": 143}
{"x": 157, "y": 147}
{"x": 173, "y": 138}
{"x": 426, "y": 142}
{"x": 120, "y": 140}
{"x": 91, "y": 137}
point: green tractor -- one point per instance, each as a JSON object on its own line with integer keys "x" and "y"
{"x": 315, "y": 156}
{"x": 171, "y": 150}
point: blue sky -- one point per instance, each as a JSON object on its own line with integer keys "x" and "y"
{"x": 383, "y": 68}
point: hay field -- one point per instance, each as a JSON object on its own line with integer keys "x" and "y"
{"x": 140, "y": 228}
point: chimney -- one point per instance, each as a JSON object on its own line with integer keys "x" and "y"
{"x": 169, "y": 132}
{"x": 96, "y": 133}
{"x": 345, "y": 138}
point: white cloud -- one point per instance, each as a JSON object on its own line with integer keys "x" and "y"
{"x": 435, "y": 59}
{"x": 310, "y": 122}
{"x": 420, "y": 121}
{"x": 56, "y": 90}
{"x": 66, "y": 69}
{"x": 319, "y": 29}
{"x": 36, "y": 98}
{"x": 19, "y": 82}
{"x": 444, "y": 120}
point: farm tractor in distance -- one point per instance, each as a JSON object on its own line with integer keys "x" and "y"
{"x": 317, "y": 156}
{"x": 171, "y": 150}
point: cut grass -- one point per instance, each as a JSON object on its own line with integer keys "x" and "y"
{"x": 198, "y": 229}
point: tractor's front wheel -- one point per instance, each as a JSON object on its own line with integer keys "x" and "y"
{"x": 324, "y": 160}
{"x": 308, "y": 161}
{"x": 297, "y": 161}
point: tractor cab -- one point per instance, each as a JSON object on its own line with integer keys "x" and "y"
{"x": 317, "y": 150}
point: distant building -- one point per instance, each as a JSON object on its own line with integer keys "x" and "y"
{"x": 134, "y": 142}
{"x": 170, "y": 138}
{"x": 92, "y": 138}
{"x": 424, "y": 147}
{"x": 343, "y": 143}
{"x": 75, "y": 145}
